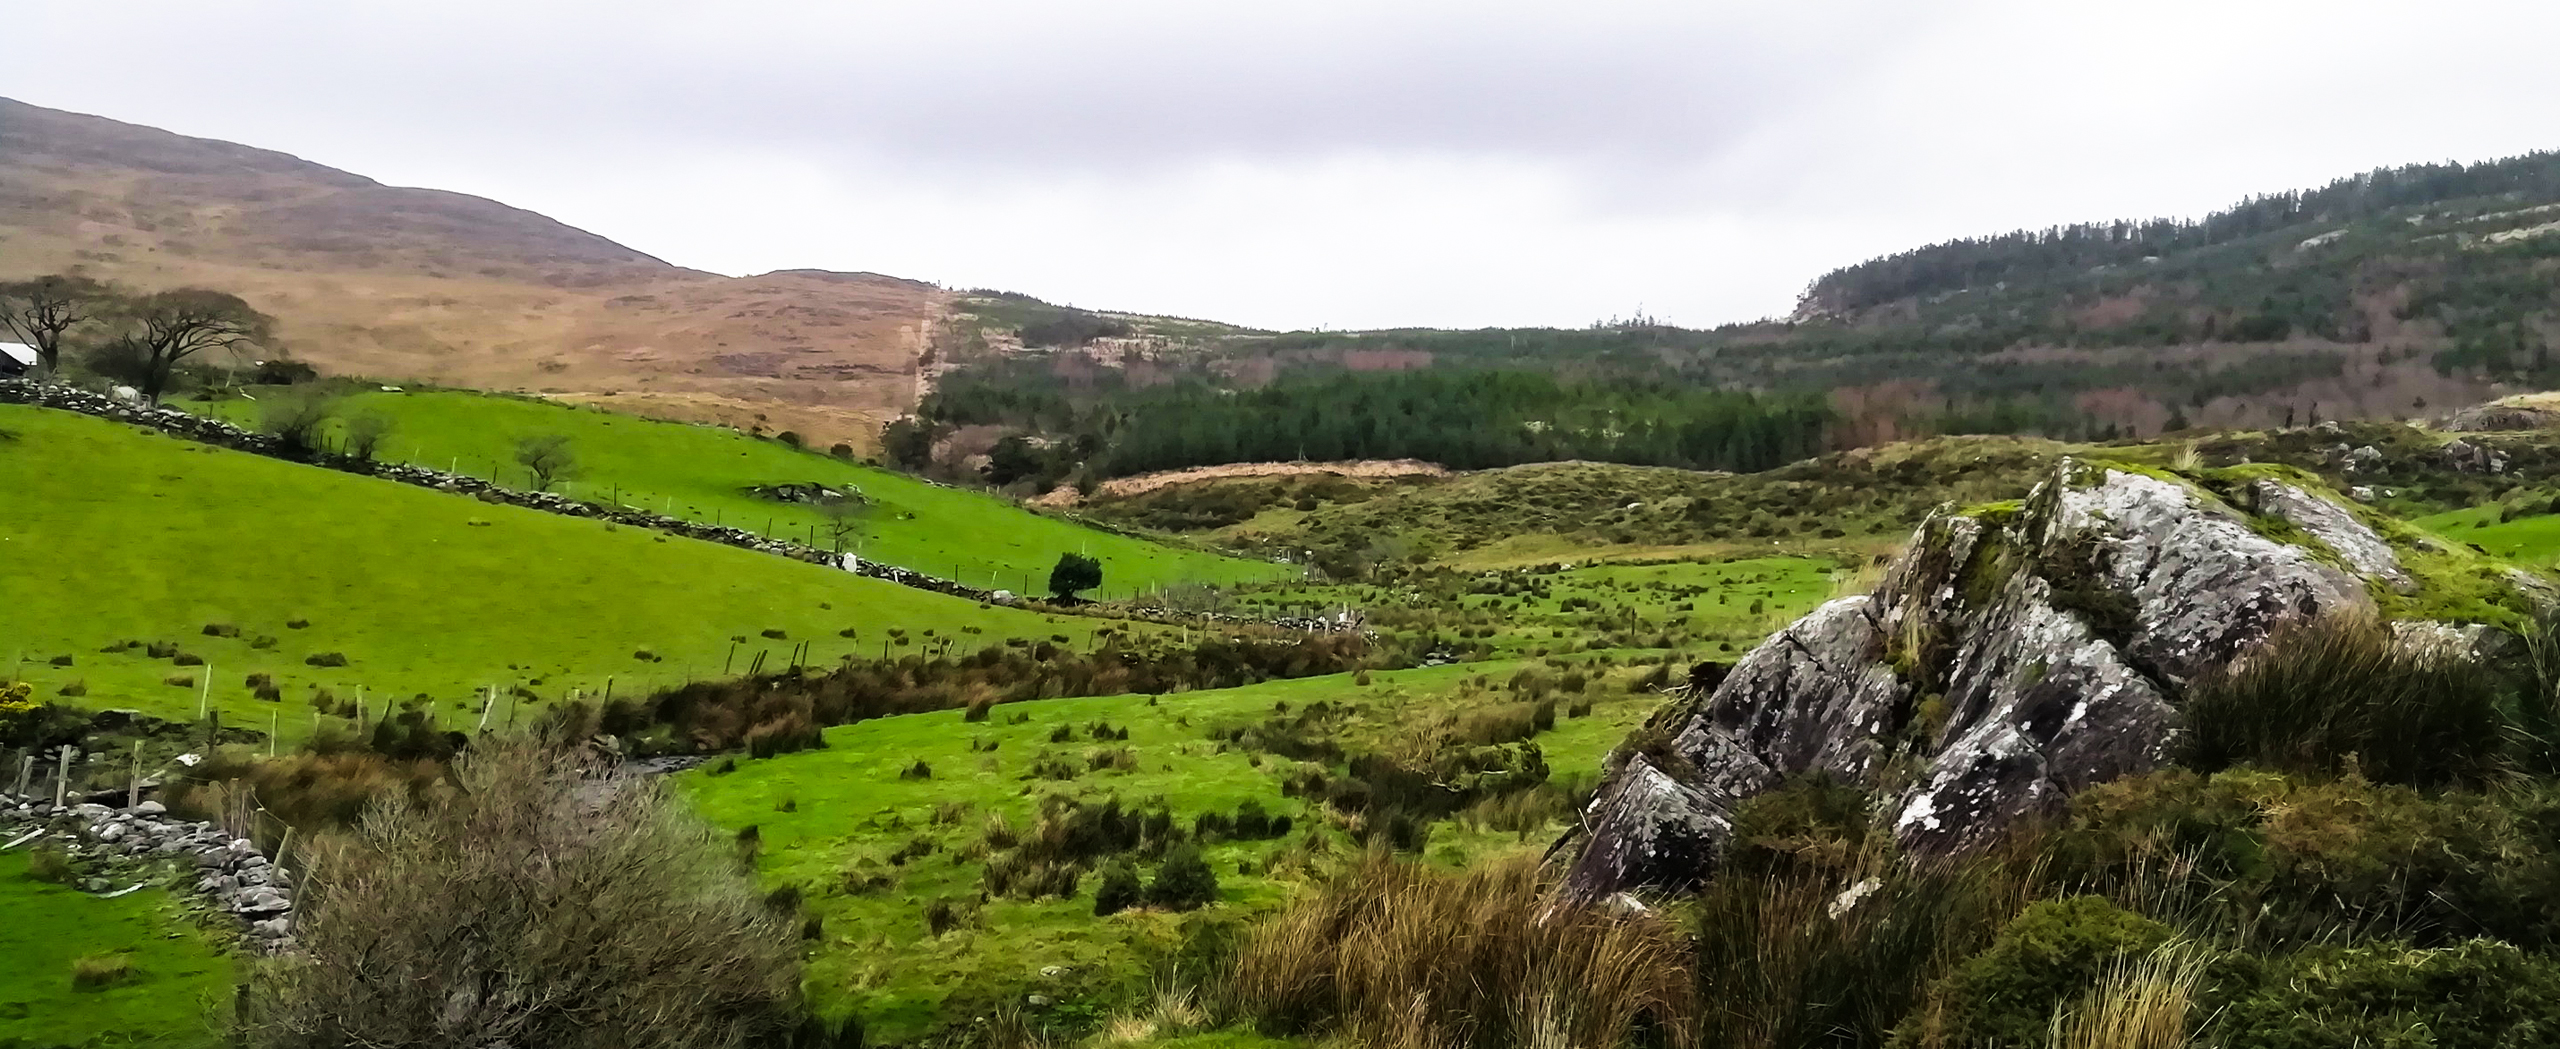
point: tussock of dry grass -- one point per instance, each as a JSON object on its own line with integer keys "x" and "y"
{"x": 1399, "y": 956}
{"x": 2142, "y": 1003}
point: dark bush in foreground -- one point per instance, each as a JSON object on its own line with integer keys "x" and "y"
{"x": 1184, "y": 882}
{"x": 2292, "y": 861}
{"x": 1118, "y": 890}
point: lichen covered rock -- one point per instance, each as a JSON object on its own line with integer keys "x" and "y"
{"x": 2011, "y": 656}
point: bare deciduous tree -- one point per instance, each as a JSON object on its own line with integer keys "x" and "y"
{"x": 843, "y": 519}
{"x": 43, "y": 312}
{"x": 549, "y": 458}
{"x": 295, "y": 417}
{"x": 530, "y": 904}
{"x": 164, "y": 328}
{"x": 365, "y": 432}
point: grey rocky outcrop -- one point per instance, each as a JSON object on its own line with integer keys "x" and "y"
{"x": 2011, "y": 656}
{"x": 2336, "y": 528}
{"x": 2494, "y": 416}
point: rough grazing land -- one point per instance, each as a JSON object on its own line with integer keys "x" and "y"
{"x": 828, "y": 819}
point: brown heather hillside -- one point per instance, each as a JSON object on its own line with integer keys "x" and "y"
{"x": 426, "y": 285}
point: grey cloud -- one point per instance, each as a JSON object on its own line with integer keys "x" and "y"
{"x": 1037, "y": 89}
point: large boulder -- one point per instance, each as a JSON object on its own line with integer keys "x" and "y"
{"x": 2011, "y": 656}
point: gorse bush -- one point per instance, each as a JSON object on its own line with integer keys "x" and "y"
{"x": 1118, "y": 890}
{"x": 1398, "y": 956}
{"x": 2342, "y": 689}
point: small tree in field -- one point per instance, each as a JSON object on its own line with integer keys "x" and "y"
{"x": 843, "y": 520}
{"x": 365, "y": 432}
{"x": 1075, "y": 572}
{"x": 530, "y": 904}
{"x": 295, "y": 417}
{"x": 43, "y": 311}
{"x": 549, "y": 458}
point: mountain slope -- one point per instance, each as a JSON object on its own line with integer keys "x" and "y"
{"x": 2394, "y": 294}
{"x": 424, "y": 284}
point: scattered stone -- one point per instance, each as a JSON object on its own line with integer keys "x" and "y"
{"x": 2336, "y": 529}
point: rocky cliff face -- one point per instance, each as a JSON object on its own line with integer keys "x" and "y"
{"x": 2011, "y": 655}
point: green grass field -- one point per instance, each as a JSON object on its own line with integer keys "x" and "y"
{"x": 109, "y": 533}
{"x": 846, "y": 808}
{"x": 180, "y": 981}
{"x": 702, "y": 473}
{"x": 2532, "y": 540}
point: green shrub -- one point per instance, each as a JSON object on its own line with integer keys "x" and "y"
{"x": 2339, "y": 690}
{"x": 2475, "y": 995}
{"x": 1809, "y": 823}
{"x": 1118, "y": 890}
{"x": 2047, "y": 956}
{"x": 1184, "y": 882}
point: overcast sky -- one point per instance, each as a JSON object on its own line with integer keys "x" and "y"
{"x": 1316, "y": 164}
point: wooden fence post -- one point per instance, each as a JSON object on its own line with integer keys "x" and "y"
{"x": 62, "y": 776}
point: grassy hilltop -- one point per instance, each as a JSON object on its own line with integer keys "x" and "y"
{"x": 703, "y": 473}
{"x": 111, "y": 534}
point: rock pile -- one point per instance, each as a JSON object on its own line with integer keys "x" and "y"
{"x": 142, "y": 845}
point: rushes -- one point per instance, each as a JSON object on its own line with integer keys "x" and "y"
{"x": 2342, "y": 689}
{"x": 1399, "y": 956}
